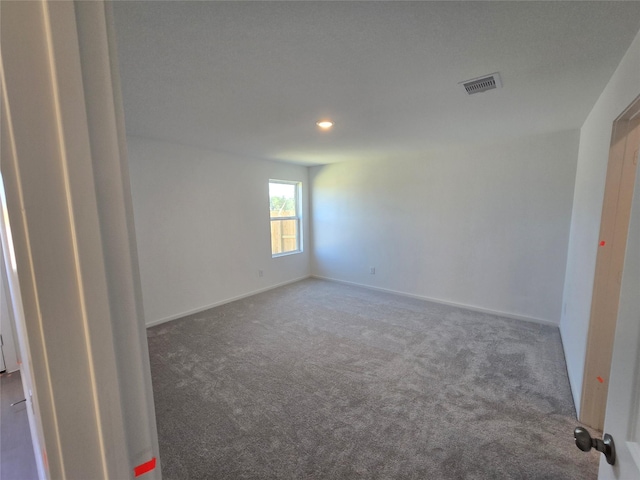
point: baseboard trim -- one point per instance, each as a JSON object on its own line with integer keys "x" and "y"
{"x": 153, "y": 323}
{"x": 473, "y": 308}
{"x": 574, "y": 385}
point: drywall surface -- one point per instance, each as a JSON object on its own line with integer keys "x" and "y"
{"x": 593, "y": 155}
{"x": 486, "y": 228}
{"x": 202, "y": 225}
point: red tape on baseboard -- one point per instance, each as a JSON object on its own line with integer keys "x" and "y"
{"x": 145, "y": 467}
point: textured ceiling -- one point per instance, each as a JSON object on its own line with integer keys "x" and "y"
{"x": 252, "y": 78}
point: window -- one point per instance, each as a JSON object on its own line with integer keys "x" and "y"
{"x": 286, "y": 219}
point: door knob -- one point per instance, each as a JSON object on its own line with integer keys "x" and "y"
{"x": 585, "y": 442}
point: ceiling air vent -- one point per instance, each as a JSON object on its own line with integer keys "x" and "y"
{"x": 482, "y": 84}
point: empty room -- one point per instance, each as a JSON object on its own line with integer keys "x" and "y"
{"x": 324, "y": 239}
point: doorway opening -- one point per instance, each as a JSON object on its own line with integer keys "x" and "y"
{"x": 26, "y": 458}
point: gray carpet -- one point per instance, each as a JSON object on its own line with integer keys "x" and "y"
{"x": 319, "y": 380}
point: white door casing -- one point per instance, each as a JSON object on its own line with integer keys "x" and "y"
{"x": 68, "y": 200}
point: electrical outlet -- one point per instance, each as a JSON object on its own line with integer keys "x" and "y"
{"x": 372, "y": 270}
{"x": 260, "y": 273}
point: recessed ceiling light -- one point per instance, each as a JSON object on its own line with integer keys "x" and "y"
{"x": 324, "y": 124}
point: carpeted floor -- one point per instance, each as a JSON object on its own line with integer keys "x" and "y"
{"x": 319, "y": 380}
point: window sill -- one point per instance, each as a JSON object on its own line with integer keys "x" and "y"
{"x": 286, "y": 254}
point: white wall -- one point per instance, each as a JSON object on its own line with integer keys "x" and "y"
{"x": 485, "y": 228}
{"x": 202, "y": 224}
{"x": 595, "y": 138}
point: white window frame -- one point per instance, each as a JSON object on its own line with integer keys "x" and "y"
{"x": 297, "y": 217}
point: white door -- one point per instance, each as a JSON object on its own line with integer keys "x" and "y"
{"x": 622, "y": 420}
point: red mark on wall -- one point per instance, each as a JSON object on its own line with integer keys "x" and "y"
{"x": 145, "y": 467}
{"x": 600, "y": 379}
{"x": 602, "y": 243}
